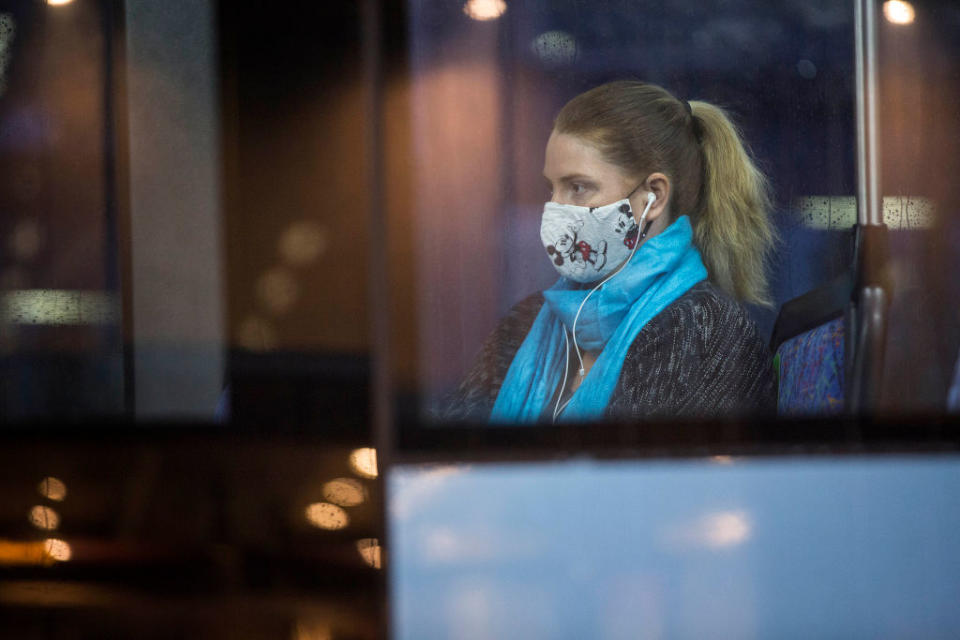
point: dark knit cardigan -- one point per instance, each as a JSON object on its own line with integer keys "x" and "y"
{"x": 699, "y": 357}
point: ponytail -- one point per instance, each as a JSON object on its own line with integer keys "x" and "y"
{"x": 732, "y": 227}
{"x": 643, "y": 128}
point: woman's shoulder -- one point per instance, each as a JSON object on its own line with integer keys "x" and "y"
{"x": 708, "y": 313}
{"x": 701, "y": 356}
{"x": 521, "y": 316}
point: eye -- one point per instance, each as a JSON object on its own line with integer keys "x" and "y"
{"x": 578, "y": 189}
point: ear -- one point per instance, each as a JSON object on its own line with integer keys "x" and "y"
{"x": 659, "y": 185}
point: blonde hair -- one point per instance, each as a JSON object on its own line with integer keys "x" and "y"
{"x": 642, "y": 128}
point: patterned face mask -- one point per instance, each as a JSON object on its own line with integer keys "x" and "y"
{"x": 587, "y": 243}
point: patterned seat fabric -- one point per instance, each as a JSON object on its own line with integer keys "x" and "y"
{"x": 810, "y": 367}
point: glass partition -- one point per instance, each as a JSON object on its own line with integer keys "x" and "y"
{"x": 487, "y": 79}
{"x": 701, "y": 548}
{"x": 60, "y": 321}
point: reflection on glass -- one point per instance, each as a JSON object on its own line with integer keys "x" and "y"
{"x": 57, "y": 549}
{"x": 345, "y": 492}
{"x": 14, "y": 553}
{"x": 369, "y": 550}
{"x": 363, "y": 461}
{"x": 277, "y": 290}
{"x": 54, "y": 307}
{"x": 713, "y": 530}
{"x": 555, "y": 47}
{"x": 725, "y": 529}
{"x": 44, "y": 518}
{"x": 485, "y": 9}
{"x": 7, "y": 30}
{"x": 25, "y": 240}
{"x": 898, "y": 12}
{"x": 302, "y": 243}
{"x": 840, "y": 212}
{"x": 306, "y": 629}
{"x": 256, "y": 334}
{"x": 327, "y": 516}
{"x": 52, "y": 488}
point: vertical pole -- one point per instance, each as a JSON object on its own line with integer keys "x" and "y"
{"x": 117, "y": 200}
{"x": 381, "y": 392}
{"x": 869, "y": 206}
{"x": 867, "y": 330}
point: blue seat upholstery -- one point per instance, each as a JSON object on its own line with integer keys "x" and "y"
{"x": 810, "y": 353}
{"x": 810, "y": 370}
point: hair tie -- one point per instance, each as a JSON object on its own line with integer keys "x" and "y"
{"x": 694, "y": 122}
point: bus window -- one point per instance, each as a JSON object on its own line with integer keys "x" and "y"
{"x": 485, "y": 83}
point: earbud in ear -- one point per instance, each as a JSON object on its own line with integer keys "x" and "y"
{"x": 651, "y": 197}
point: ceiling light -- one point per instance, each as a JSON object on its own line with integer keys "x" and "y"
{"x": 346, "y": 492}
{"x": 327, "y": 516}
{"x": 484, "y": 10}
{"x": 44, "y": 518}
{"x": 898, "y": 12}
{"x": 364, "y": 462}
{"x": 52, "y": 489}
{"x": 57, "y": 549}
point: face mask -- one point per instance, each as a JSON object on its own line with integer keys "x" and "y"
{"x": 588, "y": 243}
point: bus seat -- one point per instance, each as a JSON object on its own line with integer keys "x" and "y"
{"x": 810, "y": 372}
{"x": 810, "y": 351}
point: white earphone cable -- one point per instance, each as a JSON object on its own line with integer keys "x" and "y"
{"x": 573, "y": 330}
{"x": 558, "y": 408}
{"x": 563, "y": 385}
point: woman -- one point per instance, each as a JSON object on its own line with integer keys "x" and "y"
{"x": 658, "y": 225}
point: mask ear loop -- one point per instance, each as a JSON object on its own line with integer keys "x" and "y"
{"x": 636, "y": 246}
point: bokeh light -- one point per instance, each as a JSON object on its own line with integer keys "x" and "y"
{"x": 725, "y": 529}
{"x": 806, "y": 69}
{"x": 346, "y": 492}
{"x": 327, "y": 516}
{"x": 277, "y": 290}
{"x": 43, "y": 517}
{"x": 307, "y": 629}
{"x": 485, "y": 9}
{"x": 369, "y": 549}
{"x": 25, "y": 240}
{"x": 58, "y": 3}
{"x": 363, "y": 461}
{"x": 52, "y": 489}
{"x": 256, "y": 334}
{"x": 302, "y": 243}
{"x": 898, "y": 12}
{"x": 57, "y": 549}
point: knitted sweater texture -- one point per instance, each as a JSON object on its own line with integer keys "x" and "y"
{"x": 700, "y": 357}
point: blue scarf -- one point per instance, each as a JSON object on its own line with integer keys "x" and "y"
{"x": 662, "y": 270}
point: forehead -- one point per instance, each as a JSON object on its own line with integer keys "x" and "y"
{"x": 567, "y": 155}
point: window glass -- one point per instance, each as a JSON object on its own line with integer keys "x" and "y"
{"x": 918, "y": 55}
{"x": 60, "y": 339}
{"x": 486, "y": 80}
{"x": 687, "y": 548}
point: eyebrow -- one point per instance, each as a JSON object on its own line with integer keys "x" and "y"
{"x": 573, "y": 176}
